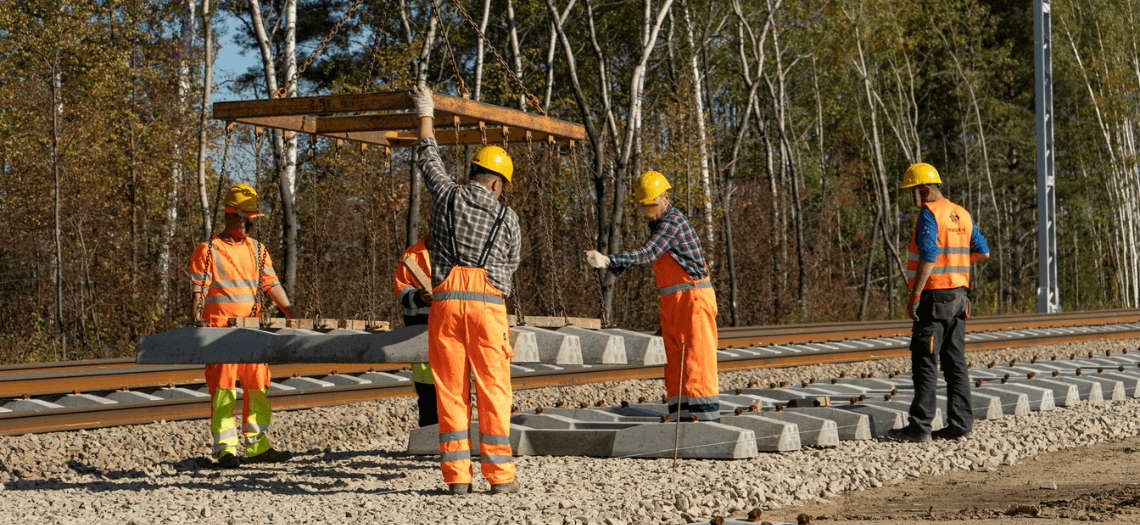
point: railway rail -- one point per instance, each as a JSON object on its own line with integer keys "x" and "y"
{"x": 741, "y": 348}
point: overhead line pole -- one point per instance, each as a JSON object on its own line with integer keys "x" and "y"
{"x": 1048, "y": 297}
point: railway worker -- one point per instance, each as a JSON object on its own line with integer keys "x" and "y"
{"x": 224, "y": 274}
{"x": 688, "y": 302}
{"x": 417, "y": 305}
{"x": 944, "y": 243}
{"x": 474, "y": 254}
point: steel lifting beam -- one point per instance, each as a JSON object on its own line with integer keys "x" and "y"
{"x": 388, "y": 119}
{"x": 1048, "y": 295}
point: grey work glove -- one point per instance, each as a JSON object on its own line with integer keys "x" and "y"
{"x": 425, "y": 104}
{"x": 595, "y": 259}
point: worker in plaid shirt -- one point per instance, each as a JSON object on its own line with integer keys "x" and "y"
{"x": 474, "y": 254}
{"x": 688, "y": 303}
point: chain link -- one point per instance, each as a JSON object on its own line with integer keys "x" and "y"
{"x": 551, "y": 170}
{"x": 533, "y": 100}
{"x": 588, "y": 230}
{"x": 222, "y": 174}
{"x": 375, "y": 46}
{"x": 460, "y": 86}
{"x": 285, "y": 89}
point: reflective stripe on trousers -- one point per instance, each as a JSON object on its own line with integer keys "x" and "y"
{"x": 690, "y": 285}
{"x": 688, "y": 326}
{"x": 222, "y": 424}
{"x": 468, "y": 334}
{"x": 256, "y": 413}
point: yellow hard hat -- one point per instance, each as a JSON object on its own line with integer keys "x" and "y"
{"x": 242, "y": 200}
{"x": 921, "y": 173}
{"x": 649, "y": 186}
{"x": 495, "y": 159}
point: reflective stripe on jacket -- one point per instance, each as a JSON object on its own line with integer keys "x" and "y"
{"x": 230, "y": 283}
{"x": 952, "y": 267}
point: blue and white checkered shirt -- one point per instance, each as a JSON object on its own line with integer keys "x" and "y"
{"x": 671, "y": 233}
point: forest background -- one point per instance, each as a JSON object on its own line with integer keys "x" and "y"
{"x": 784, "y": 127}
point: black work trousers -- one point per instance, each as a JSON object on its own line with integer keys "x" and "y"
{"x": 939, "y": 334}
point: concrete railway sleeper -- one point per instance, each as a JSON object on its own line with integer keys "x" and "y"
{"x": 753, "y": 419}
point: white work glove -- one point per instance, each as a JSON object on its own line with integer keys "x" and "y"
{"x": 425, "y": 104}
{"x": 595, "y": 259}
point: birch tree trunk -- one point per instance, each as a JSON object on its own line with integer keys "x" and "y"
{"x": 170, "y": 221}
{"x": 651, "y": 27}
{"x": 515, "y": 52}
{"x": 204, "y": 117}
{"x": 479, "y": 55}
{"x": 284, "y": 148}
{"x": 420, "y": 67}
{"x": 56, "y": 109}
{"x": 551, "y": 49}
{"x": 702, "y": 135}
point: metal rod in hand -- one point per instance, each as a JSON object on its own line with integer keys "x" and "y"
{"x": 680, "y": 384}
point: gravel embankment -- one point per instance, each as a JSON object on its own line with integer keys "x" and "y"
{"x": 350, "y": 465}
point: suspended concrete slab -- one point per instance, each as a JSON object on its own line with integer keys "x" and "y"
{"x": 247, "y": 345}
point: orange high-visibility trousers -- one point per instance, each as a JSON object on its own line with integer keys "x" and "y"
{"x": 688, "y": 317}
{"x": 256, "y": 413}
{"x": 468, "y": 332}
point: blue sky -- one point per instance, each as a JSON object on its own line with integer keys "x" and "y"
{"x": 229, "y": 63}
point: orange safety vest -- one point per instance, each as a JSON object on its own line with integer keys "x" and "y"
{"x": 230, "y": 281}
{"x": 952, "y": 267}
{"x": 404, "y": 282}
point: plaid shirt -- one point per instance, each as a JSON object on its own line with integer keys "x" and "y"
{"x": 671, "y": 233}
{"x": 475, "y": 210}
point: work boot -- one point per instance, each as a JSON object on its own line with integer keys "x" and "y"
{"x": 229, "y": 461}
{"x": 947, "y": 433}
{"x": 458, "y": 489}
{"x": 271, "y": 456}
{"x": 909, "y": 433}
{"x": 505, "y": 488}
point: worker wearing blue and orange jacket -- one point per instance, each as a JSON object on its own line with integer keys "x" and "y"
{"x": 224, "y": 276}
{"x": 417, "y": 306}
{"x": 688, "y": 302}
{"x": 944, "y": 243}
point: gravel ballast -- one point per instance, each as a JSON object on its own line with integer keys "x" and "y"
{"x": 350, "y": 464}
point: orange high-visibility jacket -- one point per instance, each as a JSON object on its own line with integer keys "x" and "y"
{"x": 232, "y": 276}
{"x": 404, "y": 282}
{"x": 952, "y": 267}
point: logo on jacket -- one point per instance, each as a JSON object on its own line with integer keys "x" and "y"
{"x": 954, "y": 217}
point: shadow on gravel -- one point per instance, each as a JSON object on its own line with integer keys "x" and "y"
{"x": 308, "y": 473}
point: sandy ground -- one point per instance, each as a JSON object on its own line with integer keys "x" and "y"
{"x": 1100, "y": 483}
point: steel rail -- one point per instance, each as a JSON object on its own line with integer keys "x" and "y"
{"x": 115, "y": 374}
{"x": 100, "y": 379}
{"x": 88, "y": 417}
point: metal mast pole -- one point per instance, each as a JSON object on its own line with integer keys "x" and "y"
{"x": 1048, "y": 300}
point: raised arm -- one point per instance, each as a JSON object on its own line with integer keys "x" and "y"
{"x": 430, "y": 164}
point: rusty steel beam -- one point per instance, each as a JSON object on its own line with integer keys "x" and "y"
{"x": 396, "y": 108}
{"x": 310, "y": 125}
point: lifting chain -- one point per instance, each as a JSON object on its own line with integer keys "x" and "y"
{"x": 460, "y": 86}
{"x": 530, "y": 98}
{"x": 280, "y": 93}
{"x": 222, "y": 173}
{"x": 588, "y": 231}
{"x": 544, "y": 221}
{"x": 375, "y": 46}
